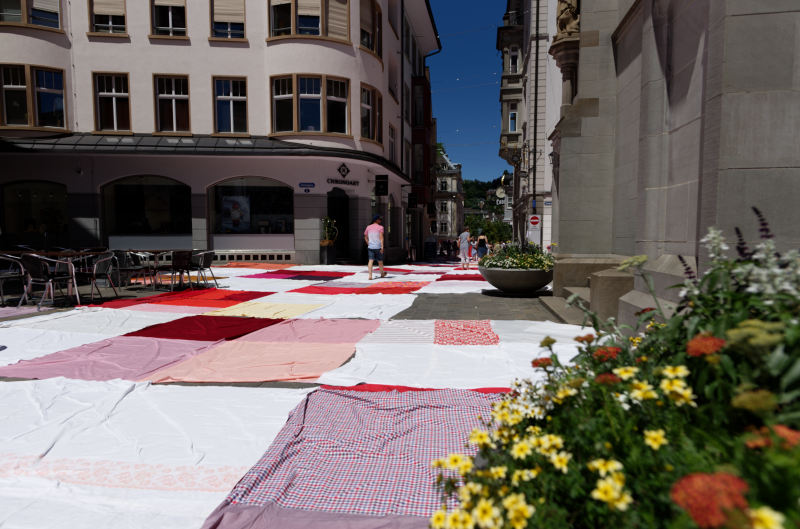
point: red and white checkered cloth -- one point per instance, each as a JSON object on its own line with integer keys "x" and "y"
{"x": 363, "y": 452}
{"x": 465, "y": 332}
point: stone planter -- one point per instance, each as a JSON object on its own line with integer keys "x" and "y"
{"x": 516, "y": 281}
{"x": 327, "y": 254}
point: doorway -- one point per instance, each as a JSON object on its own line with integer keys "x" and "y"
{"x": 339, "y": 210}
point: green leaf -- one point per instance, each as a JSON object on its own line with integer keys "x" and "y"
{"x": 777, "y": 360}
{"x": 791, "y": 376}
{"x": 786, "y": 398}
{"x": 788, "y": 417}
{"x": 727, "y": 364}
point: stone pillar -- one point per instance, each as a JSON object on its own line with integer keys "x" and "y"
{"x": 83, "y": 212}
{"x": 200, "y": 216}
{"x": 308, "y": 212}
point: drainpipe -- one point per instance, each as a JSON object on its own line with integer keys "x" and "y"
{"x": 536, "y": 105}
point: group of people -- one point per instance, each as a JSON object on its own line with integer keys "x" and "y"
{"x": 471, "y": 248}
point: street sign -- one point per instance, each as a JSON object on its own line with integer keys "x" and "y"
{"x": 535, "y": 220}
{"x": 306, "y": 184}
{"x": 548, "y": 202}
{"x": 381, "y": 185}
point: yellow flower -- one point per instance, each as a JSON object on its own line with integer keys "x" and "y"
{"x": 626, "y": 373}
{"x": 486, "y": 515}
{"x": 535, "y": 430}
{"x": 635, "y": 340}
{"x": 521, "y": 450}
{"x": 536, "y": 412}
{"x": 454, "y": 461}
{"x": 622, "y": 503}
{"x": 766, "y": 518}
{"x": 675, "y": 372}
{"x": 459, "y": 520}
{"x": 669, "y": 385}
{"x": 605, "y": 466}
{"x": 524, "y": 475}
{"x": 563, "y": 393}
{"x": 464, "y": 495}
{"x": 619, "y": 478}
{"x": 684, "y": 396}
{"x": 498, "y": 472}
{"x": 512, "y": 500}
{"x": 642, "y": 391}
{"x": 480, "y": 438}
{"x": 465, "y": 466}
{"x": 439, "y": 519}
{"x": 474, "y": 488}
{"x": 655, "y": 438}
{"x": 606, "y": 490}
{"x": 438, "y": 463}
{"x": 560, "y": 460}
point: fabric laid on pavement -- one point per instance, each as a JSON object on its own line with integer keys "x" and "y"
{"x": 356, "y": 454}
{"x": 314, "y": 331}
{"x": 124, "y": 357}
{"x": 465, "y": 332}
{"x": 8, "y": 312}
{"x": 27, "y": 344}
{"x": 258, "y": 309}
{"x": 456, "y": 287}
{"x": 95, "y": 320}
{"x": 461, "y": 277}
{"x": 89, "y": 455}
{"x": 367, "y": 306}
{"x": 206, "y": 328}
{"x": 243, "y": 361}
{"x": 175, "y": 309}
{"x": 402, "y": 331}
{"x": 533, "y": 332}
{"x": 264, "y": 285}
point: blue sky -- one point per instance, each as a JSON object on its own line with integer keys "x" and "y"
{"x": 465, "y": 81}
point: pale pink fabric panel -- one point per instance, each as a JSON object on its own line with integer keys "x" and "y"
{"x": 125, "y": 357}
{"x": 237, "y": 361}
{"x": 314, "y": 331}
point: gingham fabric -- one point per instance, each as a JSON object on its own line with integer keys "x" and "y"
{"x": 466, "y": 332}
{"x": 367, "y": 453}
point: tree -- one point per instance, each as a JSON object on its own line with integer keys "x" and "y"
{"x": 495, "y": 231}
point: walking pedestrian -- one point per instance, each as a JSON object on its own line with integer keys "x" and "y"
{"x": 463, "y": 247}
{"x": 483, "y": 246}
{"x": 373, "y": 236}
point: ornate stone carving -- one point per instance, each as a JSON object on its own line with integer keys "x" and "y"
{"x": 568, "y": 20}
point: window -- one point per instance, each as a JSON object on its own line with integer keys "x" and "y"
{"x": 443, "y": 184}
{"x": 407, "y": 37}
{"x": 407, "y": 156}
{"x": 310, "y": 106}
{"x": 336, "y": 97}
{"x": 443, "y": 227}
{"x": 147, "y": 205}
{"x": 371, "y": 22}
{"x": 407, "y": 103}
{"x": 311, "y": 18}
{"x": 169, "y": 18}
{"x": 34, "y": 213}
{"x": 419, "y": 106}
{"x": 282, "y": 120}
{"x": 172, "y": 104}
{"x": 433, "y": 226}
{"x": 413, "y": 56}
{"x": 512, "y": 117}
{"x": 227, "y": 19}
{"x": 392, "y": 144}
{"x": 252, "y": 205}
{"x": 49, "y": 98}
{"x": 419, "y": 163}
{"x": 230, "y": 96}
{"x": 45, "y": 13}
{"x": 111, "y": 102}
{"x": 108, "y": 16}
{"x": 393, "y": 78}
{"x": 513, "y": 60}
{"x": 392, "y": 14}
{"x": 10, "y": 11}
{"x": 14, "y": 102}
{"x": 371, "y": 114}
{"x": 443, "y": 208}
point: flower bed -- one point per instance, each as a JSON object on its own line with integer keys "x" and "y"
{"x": 690, "y": 423}
{"x": 523, "y": 257}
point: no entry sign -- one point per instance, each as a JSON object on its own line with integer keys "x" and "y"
{"x": 535, "y": 220}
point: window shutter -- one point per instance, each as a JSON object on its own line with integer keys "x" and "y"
{"x": 366, "y": 15}
{"x": 46, "y": 5}
{"x": 169, "y": 2}
{"x": 280, "y": 2}
{"x": 308, "y": 7}
{"x": 229, "y": 11}
{"x": 337, "y": 18}
{"x": 109, "y": 7}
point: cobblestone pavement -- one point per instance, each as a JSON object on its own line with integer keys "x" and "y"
{"x": 485, "y": 306}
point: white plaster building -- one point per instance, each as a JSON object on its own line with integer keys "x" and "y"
{"x": 449, "y": 199}
{"x": 223, "y": 124}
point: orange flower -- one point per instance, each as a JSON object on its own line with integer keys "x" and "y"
{"x": 588, "y": 338}
{"x": 542, "y": 362}
{"x": 709, "y": 497}
{"x": 791, "y": 438}
{"x": 704, "y": 344}
{"x": 607, "y": 379}
{"x": 604, "y": 354}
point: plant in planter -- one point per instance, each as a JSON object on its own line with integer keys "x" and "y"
{"x": 518, "y": 268}
{"x": 690, "y": 423}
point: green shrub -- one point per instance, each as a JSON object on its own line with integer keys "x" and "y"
{"x": 525, "y": 256}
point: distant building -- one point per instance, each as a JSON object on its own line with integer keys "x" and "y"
{"x": 448, "y": 198}
{"x": 225, "y": 124}
{"x": 530, "y": 97}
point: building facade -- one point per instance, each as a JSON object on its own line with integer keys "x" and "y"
{"x": 678, "y": 116}
{"x": 530, "y": 98}
{"x": 225, "y": 124}
{"x": 448, "y": 198}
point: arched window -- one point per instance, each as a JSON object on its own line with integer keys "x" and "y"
{"x": 34, "y": 213}
{"x": 251, "y": 205}
{"x": 147, "y": 205}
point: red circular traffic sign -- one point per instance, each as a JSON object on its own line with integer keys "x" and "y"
{"x": 535, "y": 220}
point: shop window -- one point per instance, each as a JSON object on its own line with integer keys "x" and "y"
{"x": 33, "y": 213}
{"x": 147, "y": 205}
{"x": 172, "y": 104}
{"x": 108, "y": 16}
{"x": 252, "y": 205}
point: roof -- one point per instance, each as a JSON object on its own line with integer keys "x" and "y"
{"x": 194, "y": 145}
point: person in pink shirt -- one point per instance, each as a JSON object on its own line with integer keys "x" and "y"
{"x": 373, "y": 236}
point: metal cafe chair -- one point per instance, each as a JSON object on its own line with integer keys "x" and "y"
{"x": 49, "y": 273}
{"x": 201, "y": 262}
{"x": 11, "y": 268}
{"x": 101, "y": 269}
{"x": 181, "y": 262}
